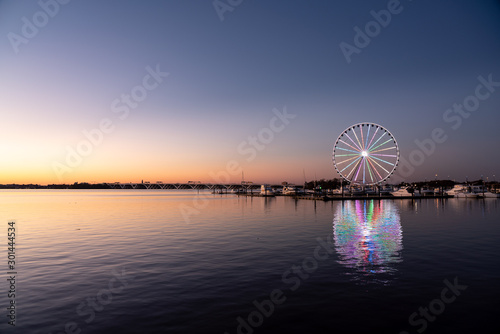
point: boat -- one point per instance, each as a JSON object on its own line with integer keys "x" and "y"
{"x": 488, "y": 194}
{"x": 266, "y": 190}
{"x": 336, "y": 192}
{"x": 290, "y": 190}
{"x": 453, "y": 191}
{"x": 278, "y": 192}
{"x": 404, "y": 192}
{"x": 465, "y": 192}
{"x": 482, "y": 192}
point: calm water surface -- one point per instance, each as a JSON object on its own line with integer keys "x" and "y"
{"x": 134, "y": 261}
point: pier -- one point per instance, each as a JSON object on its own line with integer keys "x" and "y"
{"x": 195, "y": 185}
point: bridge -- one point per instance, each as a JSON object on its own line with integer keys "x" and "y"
{"x": 195, "y": 185}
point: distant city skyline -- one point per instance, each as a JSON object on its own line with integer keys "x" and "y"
{"x": 106, "y": 91}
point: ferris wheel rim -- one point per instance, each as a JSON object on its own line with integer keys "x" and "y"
{"x": 363, "y": 152}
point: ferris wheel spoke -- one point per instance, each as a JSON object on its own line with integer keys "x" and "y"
{"x": 347, "y": 160}
{"x": 368, "y": 134}
{"x": 382, "y": 144}
{"x": 387, "y": 162}
{"x": 374, "y": 134}
{"x": 352, "y": 170}
{"x": 353, "y": 142}
{"x": 362, "y": 139}
{"x": 359, "y": 157}
{"x": 345, "y": 149}
{"x": 385, "y": 155}
{"x": 348, "y": 155}
{"x": 359, "y": 168}
{"x": 383, "y": 149}
{"x": 376, "y": 163}
{"x": 357, "y": 150}
{"x": 375, "y": 169}
{"x": 375, "y": 143}
{"x": 369, "y": 170}
{"x": 355, "y": 135}
{"x": 364, "y": 170}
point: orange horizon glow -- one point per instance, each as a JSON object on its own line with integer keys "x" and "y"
{"x": 182, "y": 173}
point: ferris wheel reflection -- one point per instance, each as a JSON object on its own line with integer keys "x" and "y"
{"x": 368, "y": 236}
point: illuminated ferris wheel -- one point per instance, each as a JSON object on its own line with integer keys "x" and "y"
{"x": 366, "y": 154}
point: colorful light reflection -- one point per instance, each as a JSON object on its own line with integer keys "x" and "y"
{"x": 368, "y": 236}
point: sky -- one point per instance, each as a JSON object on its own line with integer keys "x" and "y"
{"x": 217, "y": 91}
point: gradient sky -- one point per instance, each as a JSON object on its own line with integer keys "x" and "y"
{"x": 226, "y": 78}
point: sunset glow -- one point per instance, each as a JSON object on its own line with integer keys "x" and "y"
{"x": 153, "y": 96}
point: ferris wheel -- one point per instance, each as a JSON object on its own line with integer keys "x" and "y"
{"x": 366, "y": 154}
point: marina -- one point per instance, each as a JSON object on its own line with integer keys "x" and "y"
{"x": 366, "y": 197}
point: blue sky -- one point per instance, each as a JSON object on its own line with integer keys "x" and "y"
{"x": 226, "y": 77}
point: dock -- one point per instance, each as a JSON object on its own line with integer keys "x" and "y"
{"x": 256, "y": 194}
{"x": 345, "y": 197}
{"x": 348, "y": 198}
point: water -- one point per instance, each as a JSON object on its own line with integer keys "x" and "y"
{"x": 133, "y": 261}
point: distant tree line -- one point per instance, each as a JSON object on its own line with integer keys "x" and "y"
{"x": 336, "y": 183}
{"x": 323, "y": 184}
{"x": 320, "y": 184}
{"x": 76, "y": 185}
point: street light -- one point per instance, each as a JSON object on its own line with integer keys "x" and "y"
{"x": 482, "y": 181}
